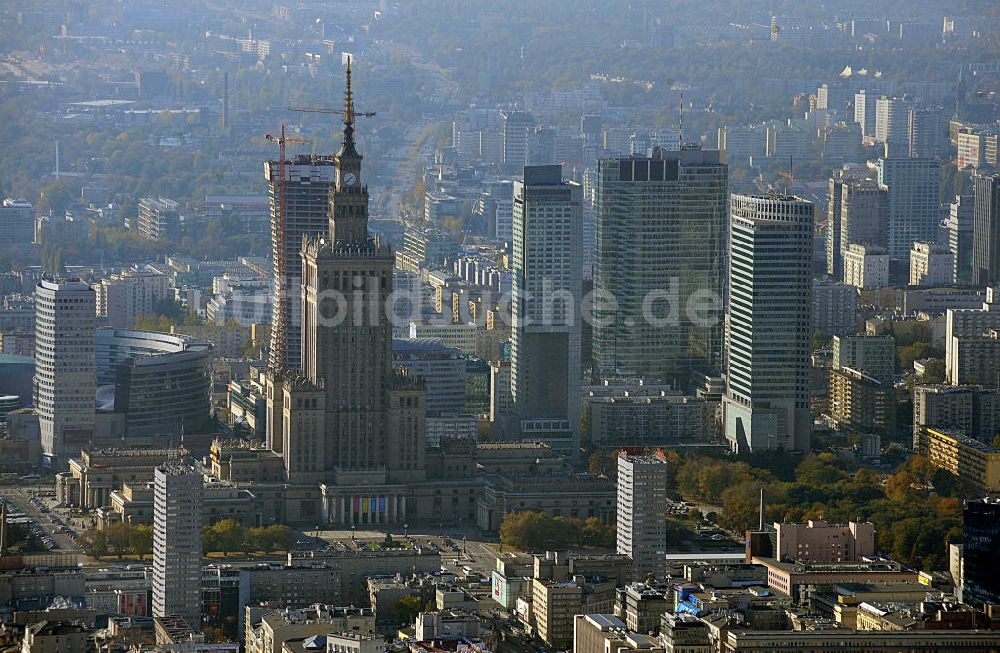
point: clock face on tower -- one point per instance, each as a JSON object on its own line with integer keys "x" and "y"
{"x": 350, "y": 179}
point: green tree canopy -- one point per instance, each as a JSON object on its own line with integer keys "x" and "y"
{"x": 537, "y": 531}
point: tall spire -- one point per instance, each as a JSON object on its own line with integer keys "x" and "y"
{"x": 348, "y": 99}
{"x": 348, "y": 149}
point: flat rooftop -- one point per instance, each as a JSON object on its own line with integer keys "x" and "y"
{"x": 874, "y": 566}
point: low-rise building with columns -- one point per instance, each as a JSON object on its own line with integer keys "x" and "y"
{"x": 97, "y": 473}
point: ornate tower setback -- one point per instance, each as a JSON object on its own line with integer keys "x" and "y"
{"x": 347, "y": 338}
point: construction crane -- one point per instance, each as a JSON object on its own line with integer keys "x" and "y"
{"x": 278, "y": 338}
{"x": 336, "y": 112}
{"x": 347, "y": 112}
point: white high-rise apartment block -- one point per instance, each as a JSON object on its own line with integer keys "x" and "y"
{"x": 642, "y": 512}
{"x": 976, "y": 148}
{"x": 547, "y": 271}
{"x": 835, "y": 308}
{"x": 408, "y": 302}
{"x": 975, "y": 360}
{"x": 516, "y": 125}
{"x": 742, "y": 143}
{"x": 931, "y": 265}
{"x": 65, "y": 367}
{"x": 159, "y": 219}
{"x": 967, "y": 323}
{"x": 769, "y": 323}
{"x": 866, "y": 266}
{"x": 177, "y": 516}
{"x": 17, "y": 221}
{"x": 124, "y": 296}
{"x": 864, "y": 112}
{"x": 928, "y": 132}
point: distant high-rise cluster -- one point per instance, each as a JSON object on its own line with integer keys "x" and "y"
{"x": 534, "y": 299}
{"x": 856, "y": 215}
{"x": 885, "y": 209}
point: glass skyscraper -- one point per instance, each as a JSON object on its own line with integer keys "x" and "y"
{"x": 545, "y": 334}
{"x": 769, "y": 324}
{"x": 980, "y": 580}
{"x": 661, "y": 233}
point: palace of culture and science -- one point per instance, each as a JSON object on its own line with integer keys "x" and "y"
{"x": 349, "y": 429}
{"x": 346, "y": 433}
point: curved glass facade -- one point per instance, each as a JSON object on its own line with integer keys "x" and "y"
{"x": 161, "y": 381}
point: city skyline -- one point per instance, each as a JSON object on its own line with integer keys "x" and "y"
{"x": 548, "y": 327}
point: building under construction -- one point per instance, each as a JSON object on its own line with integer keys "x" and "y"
{"x": 307, "y": 186}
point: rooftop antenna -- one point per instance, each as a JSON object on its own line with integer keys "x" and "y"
{"x": 760, "y": 526}
{"x": 680, "y": 123}
{"x": 959, "y": 88}
{"x": 225, "y": 102}
{"x": 182, "y": 451}
{"x": 790, "y": 174}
